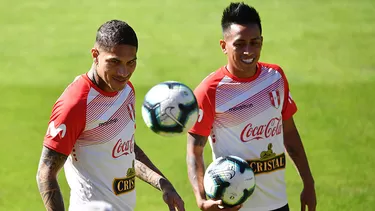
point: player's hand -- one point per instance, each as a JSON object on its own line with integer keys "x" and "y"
{"x": 171, "y": 198}
{"x": 308, "y": 198}
{"x": 212, "y": 205}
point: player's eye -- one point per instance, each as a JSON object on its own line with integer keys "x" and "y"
{"x": 131, "y": 63}
{"x": 114, "y": 61}
{"x": 238, "y": 45}
{"x": 256, "y": 43}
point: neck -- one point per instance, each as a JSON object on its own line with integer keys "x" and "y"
{"x": 94, "y": 77}
{"x": 242, "y": 73}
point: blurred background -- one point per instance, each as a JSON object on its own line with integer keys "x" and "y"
{"x": 326, "y": 49}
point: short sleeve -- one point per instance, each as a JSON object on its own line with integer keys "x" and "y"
{"x": 289, "y": 106}
{"x": 66, "y": 124}
{"x": 206, "y": 102}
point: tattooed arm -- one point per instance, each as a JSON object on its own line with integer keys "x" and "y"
{"x": 50, "y": 164}
{"x": 148, "y": 172}
{"x": 195, "y": 164}
{"x": 296, "y": 151}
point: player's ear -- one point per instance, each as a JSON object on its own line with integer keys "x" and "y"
{"x": 223, "y": 46}
{"x": 95, "y": 54}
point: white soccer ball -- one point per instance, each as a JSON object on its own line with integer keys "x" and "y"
{"x": 170, "y": 108}
{"x": 229, "y": 179}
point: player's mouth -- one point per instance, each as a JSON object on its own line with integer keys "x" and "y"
{"x": 248, "y": 60}
{"x": 121, "y": 80}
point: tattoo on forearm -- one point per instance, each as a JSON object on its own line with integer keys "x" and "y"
{"x": 50, "y": 164}
{"x": 146, "y": 174}
{"x": 195, "y": 163}
{"x": 192, "y": 173}
{"x": 51, "y": 195}
{"x": 145, "y": 169}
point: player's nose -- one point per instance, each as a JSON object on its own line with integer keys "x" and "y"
{"x": 122, "y": 71}
{"x": 248, "y": 50}
{"x": 248, "y": 53}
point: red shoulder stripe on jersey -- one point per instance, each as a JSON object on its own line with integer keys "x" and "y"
{"x": 68, "y": 118}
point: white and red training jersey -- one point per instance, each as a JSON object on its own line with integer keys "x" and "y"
{"x": 96, "y": 130}
{"x": 243, "y": 117}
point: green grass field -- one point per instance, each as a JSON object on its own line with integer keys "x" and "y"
{"x": 325, "y": 47}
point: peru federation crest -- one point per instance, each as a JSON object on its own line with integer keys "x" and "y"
{"x": 275, "y": 98}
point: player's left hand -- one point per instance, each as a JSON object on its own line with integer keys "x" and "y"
{"x": 308, "y": 198}
{"x": 171, "y": 198}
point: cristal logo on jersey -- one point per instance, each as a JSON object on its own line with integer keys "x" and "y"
{"x": 268, "y": 161}
{"x": 258, "y": 132}
{"x": 123, "y": 147}
{"x": 126, "y": 184}
{"x": 53, "y": 131}
{"x": 275, "y": 98}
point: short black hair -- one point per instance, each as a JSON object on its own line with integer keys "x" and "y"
{"x": 239, "y": 13}
{"x": 116, "y": 32}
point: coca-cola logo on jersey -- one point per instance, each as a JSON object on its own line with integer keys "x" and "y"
{"x": 258, "y": 132}
{"x": 123, "y": 147}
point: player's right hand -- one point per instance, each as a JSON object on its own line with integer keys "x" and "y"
{"x": 212, "y": 205}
